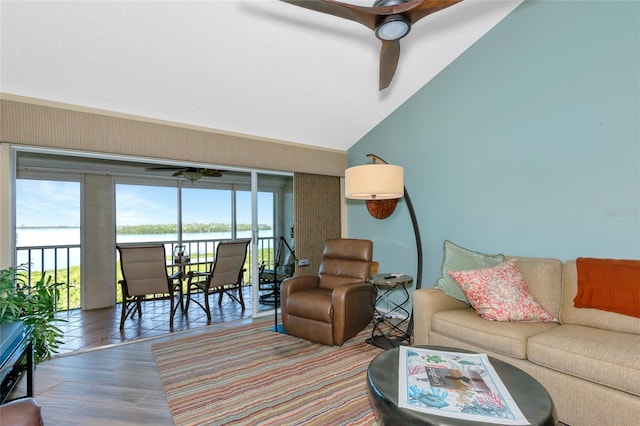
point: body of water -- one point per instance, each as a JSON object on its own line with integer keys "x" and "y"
{"x": 60, "y": 258}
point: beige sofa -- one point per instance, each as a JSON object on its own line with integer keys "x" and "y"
{"x": 589, "y": 362}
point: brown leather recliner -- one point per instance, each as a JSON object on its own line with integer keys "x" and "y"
{"x": 338, "y": 303}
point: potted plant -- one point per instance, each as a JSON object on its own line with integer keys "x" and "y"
{"x": 34, "y": 304}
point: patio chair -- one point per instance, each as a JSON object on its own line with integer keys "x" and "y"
{"x": 283, "y": 268}
{"x": 225, "y": 277}
{"x": 144, "y": 275}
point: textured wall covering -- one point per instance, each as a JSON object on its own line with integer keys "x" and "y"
{"x": 528, "y": 144}
{"x": 48, "y": 126}
{"x": 33, "y": 123}
{"x": 317, "y": 217}
{"x": 98, "y": 279}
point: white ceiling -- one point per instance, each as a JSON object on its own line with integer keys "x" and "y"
{"x": 261, "y": 68}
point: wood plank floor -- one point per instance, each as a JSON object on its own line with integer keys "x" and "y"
{"x": 117, "y": 385}
{"x": 104, "y": 377}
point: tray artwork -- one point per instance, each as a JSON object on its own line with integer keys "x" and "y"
{"x": 455, "y": 384}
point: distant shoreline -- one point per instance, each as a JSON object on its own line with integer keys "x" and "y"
{"x": 49, "y": 227}
{"x": 162, "y": 228}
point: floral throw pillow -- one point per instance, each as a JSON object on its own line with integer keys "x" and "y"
{"x": 500, "y": 293}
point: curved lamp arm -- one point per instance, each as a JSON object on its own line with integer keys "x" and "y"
{"x": 416, "y": 232}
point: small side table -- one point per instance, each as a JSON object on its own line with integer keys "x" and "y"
{"x": 389, "y": 332}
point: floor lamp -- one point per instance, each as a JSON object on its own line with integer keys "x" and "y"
{"x": 381, "y": 185}
{"x": 276, "y": 283}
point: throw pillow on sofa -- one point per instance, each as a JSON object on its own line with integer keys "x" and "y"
{"x": 457, "y": 258}
{"x": 501, "y": 294}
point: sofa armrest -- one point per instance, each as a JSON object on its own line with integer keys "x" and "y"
{"x": 426, "y": 302}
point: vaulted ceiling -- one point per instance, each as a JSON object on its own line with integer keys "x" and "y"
{"x": 262, "y": 68}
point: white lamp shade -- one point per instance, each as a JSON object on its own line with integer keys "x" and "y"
{"x": 374, "y": 182}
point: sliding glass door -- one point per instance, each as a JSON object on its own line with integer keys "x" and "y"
{"x": 123, "y": 200}
{"x": 272, "y": 219}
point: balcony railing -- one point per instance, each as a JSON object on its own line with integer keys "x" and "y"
{"x": 62, "y": 263}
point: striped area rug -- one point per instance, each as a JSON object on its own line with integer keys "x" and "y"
{"x": 248, "y": 375}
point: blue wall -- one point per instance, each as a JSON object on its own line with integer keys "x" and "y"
{"x": 528, "y": 144}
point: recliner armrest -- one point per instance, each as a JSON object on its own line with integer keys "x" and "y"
{"x": 298, "y": 283}
{"x": 292, "y": 285}
{"x": 346, "y": 290}
{"x": 343, "y": 298}
{"x": 353, "y": 306}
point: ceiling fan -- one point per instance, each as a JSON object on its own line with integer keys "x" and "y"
{"x": 389, "y": 19}
{"x": 191, "y": 173}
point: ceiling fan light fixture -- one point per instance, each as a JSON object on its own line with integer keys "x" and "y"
{"x": 192, "y": 175}
{"x": 393, "y": 27}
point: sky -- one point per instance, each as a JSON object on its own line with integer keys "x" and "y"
{"x": 135, "y": 205}
{"x": 53, "y": 203}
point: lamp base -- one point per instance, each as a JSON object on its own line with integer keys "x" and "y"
{"x": 278, "y": 329}
{"x": 385, "y": 342}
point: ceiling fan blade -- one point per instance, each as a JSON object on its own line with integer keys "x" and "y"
{"x": 191, "y": 173}
{"x": 389, "y": 56}
{"x": 151, "y": 169}
{"x": 367, "y": 16}
{"x": 211, "y": 173}
{"x": 427, "y": 7}
{"x": 360, "y": 14}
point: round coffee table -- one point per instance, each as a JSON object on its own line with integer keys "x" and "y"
{"x": 382, "y": 380}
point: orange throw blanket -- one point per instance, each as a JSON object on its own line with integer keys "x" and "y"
{"x": 609, "y": 284}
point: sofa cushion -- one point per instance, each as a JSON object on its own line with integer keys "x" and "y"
{"x": 500, "y": 293}
{"x": 590, "y": 317}
{"x": 457, "y": 258}
{"x": 601, "y": 356}
{"x": 508, "y": 338}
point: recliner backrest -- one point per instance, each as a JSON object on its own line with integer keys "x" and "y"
{"x": 345, "y": 260}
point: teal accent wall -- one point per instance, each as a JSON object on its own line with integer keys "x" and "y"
{"x": 528, "y": 144}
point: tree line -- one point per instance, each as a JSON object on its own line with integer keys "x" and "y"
{"x": 188, "y": 228}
